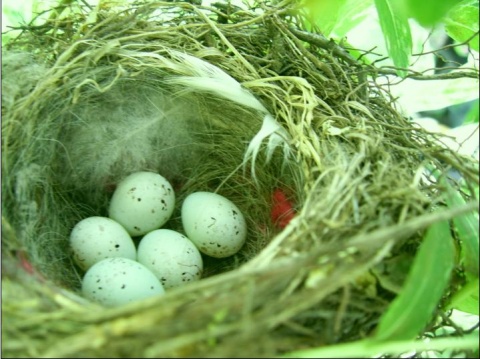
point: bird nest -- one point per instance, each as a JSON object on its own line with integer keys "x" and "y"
{"x": 329, "y": 175}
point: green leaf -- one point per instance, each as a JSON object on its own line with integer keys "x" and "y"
{"x": 426, "y": 282}
{"x": 468, "y": 232}
{"x": 396, "y": 31}
{"x": 368, "y": 348}
{"x": 352, "y": 13}
{"x": 461, "y": 23}
{"x": 473, "y": 115}
{"x": 324, "y": 13}
{"x": 466, "y": 299}
{"x": 429, "y": 12}
{"x": 337, "y": 16}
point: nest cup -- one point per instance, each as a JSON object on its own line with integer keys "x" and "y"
{"x": 107, "y": 97}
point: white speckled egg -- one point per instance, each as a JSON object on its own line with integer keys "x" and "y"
{"x": 214, "y": 224}
{"x": 96, "y": 238}
{"x": 171, "y": 256}
{"x": 142, "y": 202}
{"x": 117, "y": 281}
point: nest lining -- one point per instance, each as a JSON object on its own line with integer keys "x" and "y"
{"x": 355, "y": 167}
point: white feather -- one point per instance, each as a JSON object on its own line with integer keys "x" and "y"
{"x": 221, "y": 88}
{"x": 205, "y": 77}
{"x": 278, "y": 136}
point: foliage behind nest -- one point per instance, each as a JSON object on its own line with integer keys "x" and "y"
{"x": 90, "y": 101}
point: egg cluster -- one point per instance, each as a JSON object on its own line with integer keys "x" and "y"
{"x": 118, "y": 272}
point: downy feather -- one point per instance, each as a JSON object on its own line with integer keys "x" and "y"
{"x": 137, "y": 125}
